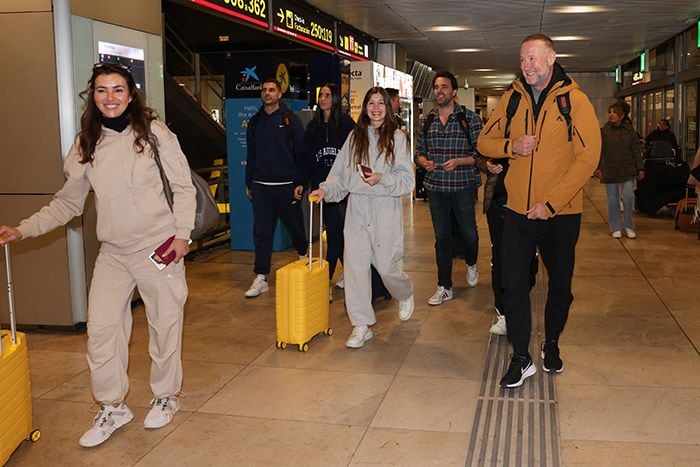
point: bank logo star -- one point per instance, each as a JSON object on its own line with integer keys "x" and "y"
{"x": 249, "y": 73}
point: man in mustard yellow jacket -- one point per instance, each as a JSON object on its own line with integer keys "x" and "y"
{"x": 550, "y": 134}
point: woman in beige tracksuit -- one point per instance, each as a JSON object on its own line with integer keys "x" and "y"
{"x": 113, "y": 155}
{"x": 374, "y": 219}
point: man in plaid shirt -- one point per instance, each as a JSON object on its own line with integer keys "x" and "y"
{"x": 447, "y": 153}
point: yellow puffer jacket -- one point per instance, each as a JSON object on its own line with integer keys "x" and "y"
{"x": 557, "y": 170}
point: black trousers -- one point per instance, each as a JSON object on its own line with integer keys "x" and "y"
{"x": 334, "y": 219}
{"x": 269, "y": 203}
{"x": 495, "y": 217}
{"x": 556, "y": 239}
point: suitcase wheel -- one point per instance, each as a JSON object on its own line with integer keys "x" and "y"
{"x": 281, "y": 345}
{"x": 35, "y": 435}
{"x": 328, "y": 332}
{"x": 303, "y": 347}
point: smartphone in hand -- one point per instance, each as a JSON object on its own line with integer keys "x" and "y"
{"x": 160, "y": 251}
{"x": 364, "y": 170}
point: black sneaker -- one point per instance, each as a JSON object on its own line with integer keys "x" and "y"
{"x": 550, "y": 355}
{"x": 521, "y": 368}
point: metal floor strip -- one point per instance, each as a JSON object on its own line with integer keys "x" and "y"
{"x": 516, "y": 426}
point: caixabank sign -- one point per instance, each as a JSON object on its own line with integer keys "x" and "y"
{"x": 244, "y": 77}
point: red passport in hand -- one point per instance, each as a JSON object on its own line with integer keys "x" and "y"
{"x": 160, "y": 251}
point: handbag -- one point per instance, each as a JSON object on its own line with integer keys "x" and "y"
{"x": 206, "y": 214}
{"x": 695, "y": 172}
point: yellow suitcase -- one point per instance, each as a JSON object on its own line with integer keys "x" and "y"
{"x": 15, "y": 387}
{"x": 302, "y": 297}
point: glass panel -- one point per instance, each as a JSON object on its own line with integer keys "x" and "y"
{"x": 644, "y": 115}
{"x": 692, "y": 52}
{"x": 661, "y": 60}
{"x": 670, "y": 103}
{"x": 691, "y": 131}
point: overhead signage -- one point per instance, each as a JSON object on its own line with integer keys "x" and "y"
{"x": 637, "y": 77}
{"x": 250, "y": 11}
{"x": 353, "y": 45}
{"x": 244, "y": 77}
{"x": 303, "y": 24}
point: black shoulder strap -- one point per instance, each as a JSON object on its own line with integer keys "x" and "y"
{"x": 513, "y": 103}
{"x": 564, "y": 104}
{"x": 428, "y": 123}
{"x": 464, "y": 125}
{"x": 288, "y": 125}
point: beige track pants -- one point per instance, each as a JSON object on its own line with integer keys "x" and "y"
{"x": 109, "y": 323}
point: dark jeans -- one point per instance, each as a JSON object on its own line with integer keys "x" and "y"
{"x": 462, "y": 204}
{"x": 334, "y": 219}
{"x": 269, "y": 203}
{"x": 495, "y": 217}
{"x": 556, "y": 239}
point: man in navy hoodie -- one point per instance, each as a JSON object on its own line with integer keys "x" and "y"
{"x": 274, "y": 179}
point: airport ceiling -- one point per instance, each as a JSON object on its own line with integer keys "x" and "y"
{"x": 466, "y": 37}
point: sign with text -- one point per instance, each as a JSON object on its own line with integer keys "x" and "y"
{"x": 352, "y": 44}
{"x": 249, "y": 11}
{"x": 303, "y": 24}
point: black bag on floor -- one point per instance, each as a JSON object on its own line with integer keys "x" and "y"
{"x": 663, "y": 183}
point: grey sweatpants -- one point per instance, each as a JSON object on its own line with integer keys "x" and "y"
{"x": 109, "y": 323}
{"x": 373, "y": 235}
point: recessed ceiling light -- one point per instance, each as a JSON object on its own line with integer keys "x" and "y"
{"x": 569, "y": 38}
{"x": 484, "y": 69}
{"x": 565, "y": 55}
{"x": 579, "y": 9}
{"x": 467, "y": 50}
{"x": 446, "y": 28}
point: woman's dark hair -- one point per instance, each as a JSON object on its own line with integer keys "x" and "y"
{"x": 334, "y": 117}
{"x": 138, "y": 114}
{"x": 360, "y": 135}
{"x": 618, "y": 108}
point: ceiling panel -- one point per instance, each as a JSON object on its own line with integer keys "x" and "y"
{"x": 614, "y": 36}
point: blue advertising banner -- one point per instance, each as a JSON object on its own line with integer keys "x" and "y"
{"x": 238, "y": 113}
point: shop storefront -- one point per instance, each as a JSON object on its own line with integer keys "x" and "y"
{"x": 662, "y": 83}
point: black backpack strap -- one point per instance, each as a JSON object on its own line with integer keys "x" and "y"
{"x": 428, "y": 123}
{"x": 288, "y": 125}
{"x": 464, "y": 125}
{"x": 513, "y": 103}
{"x": 564, "y": 104}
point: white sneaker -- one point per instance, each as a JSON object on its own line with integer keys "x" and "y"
{"x": 499, "y": 327}
{"x": 441, "y": 295}
{"x": 106, "y": 422}
{"x": 340, "y": 283}
{"x": 617, "y": 234}
{"x": 406, "y": 308}
{"x": 360, "y": 335}
{"x": 162, "y": 411}
{"x": 630, "y": 233}
{"x": 258, "y": 286}
{"x": 472, "y": 275}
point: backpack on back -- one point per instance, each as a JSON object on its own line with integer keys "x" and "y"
{"x": 461, "y": 120}
{"x": 563, "y": 103}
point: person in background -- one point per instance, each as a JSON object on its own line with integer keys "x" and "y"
{"x": 447, "y": 153}
{"x": 374, "y": 217}
{"x": 396, "y": 107}
{"x": 325, "y": 135}
{"x": 620, "y": 165}
{"x": 275, "y": 179}
{"x": 114, "y": 156}
{"x": 663, "y": 133}
{"x": 495, "y": 208}
{"x": 546, "y": 174}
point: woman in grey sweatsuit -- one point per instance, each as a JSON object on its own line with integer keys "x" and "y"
{"x": 374, "y": 218}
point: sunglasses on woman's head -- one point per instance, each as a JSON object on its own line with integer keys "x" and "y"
{"x": 111, "y": 66}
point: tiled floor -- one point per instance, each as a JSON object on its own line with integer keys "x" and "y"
{"x": 630, "y": 393}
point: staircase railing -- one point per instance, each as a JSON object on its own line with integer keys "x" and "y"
{"x": 199, "y": 74}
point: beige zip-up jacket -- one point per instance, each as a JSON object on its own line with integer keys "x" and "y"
{"x": 132, "y": 212}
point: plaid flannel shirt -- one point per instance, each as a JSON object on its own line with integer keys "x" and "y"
{"x": 445, "y": 142}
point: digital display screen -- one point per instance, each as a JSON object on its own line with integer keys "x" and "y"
{"x": 354, "y": 45}
{"x": 250, "y": 11}
{"x": 303, "y": 24}
{"x": 131, "y": 57}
